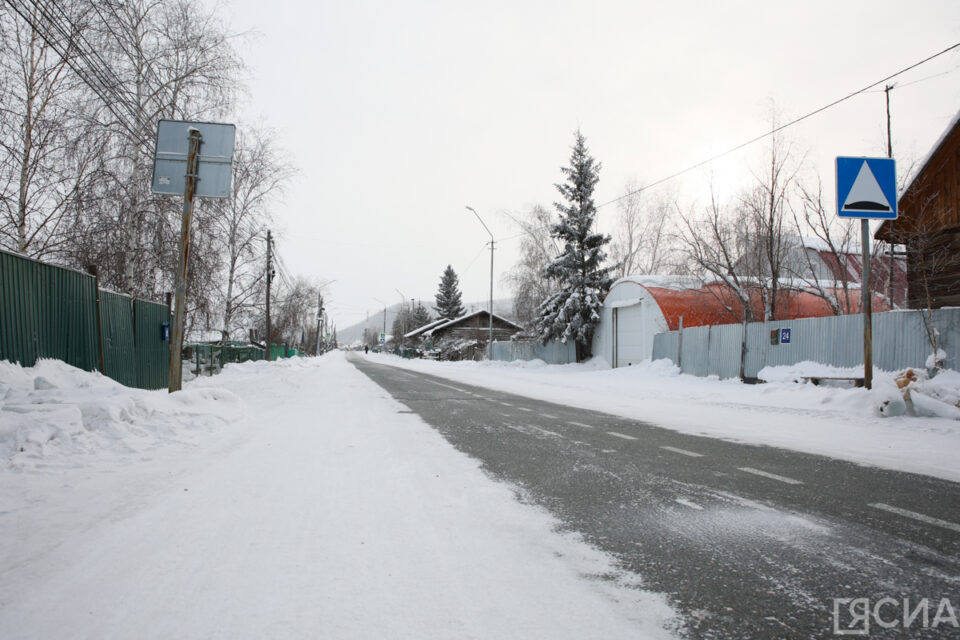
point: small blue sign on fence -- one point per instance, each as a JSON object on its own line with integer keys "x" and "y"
{"x": 785, "y": 336}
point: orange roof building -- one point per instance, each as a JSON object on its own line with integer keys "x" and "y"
{"x": 639, "y": 307}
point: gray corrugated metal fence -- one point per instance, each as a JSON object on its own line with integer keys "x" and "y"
{"x": 554, "y": 352}
{"x": 899, "y": 341}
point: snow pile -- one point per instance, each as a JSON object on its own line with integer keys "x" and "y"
{"x": 797, "y": 373}
{"x": 937, "y": 359}
{"x": 841, "y": 422}
{"x": 937, "y": 397}
{"x": 54, "y": 410}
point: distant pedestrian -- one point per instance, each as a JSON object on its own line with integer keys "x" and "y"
{"x": 366, "y": 349}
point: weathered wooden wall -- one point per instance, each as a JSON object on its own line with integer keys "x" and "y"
{"x": 929, "y": 226}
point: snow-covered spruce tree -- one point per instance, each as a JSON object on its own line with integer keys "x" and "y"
{"x": 449, "y": 305}
{"x": 572, "y": 313}
{"x": 419, "y": 317}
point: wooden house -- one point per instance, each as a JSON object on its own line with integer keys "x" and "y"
{"x": 472, "y": 326}
{"x": 929, "y": 226}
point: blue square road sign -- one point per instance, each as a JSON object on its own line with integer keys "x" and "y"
{"x": 867, "y": 188}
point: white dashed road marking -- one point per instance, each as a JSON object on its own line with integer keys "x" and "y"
{"x": 548, "y": 416}
{"x": 684, "y": 452}
{"x": 440, "y": 384}
{"x": 506, "y": 404}
{"x": 621, "y": 435}
{"x": 772, "y": 476}
{"x": 937, "y": 522}
{"x": 525, "y": 409}
{"x": 580, "y": 424}
{"x": 687, "y": 503}
{"x": 546, "y": 432}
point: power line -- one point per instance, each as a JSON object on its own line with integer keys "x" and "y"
{"x": 95, "y": 73}
{"x": 24, "y": 13}
{"x": 462, "y": 273}
{"x": 781, "y": 127}
{"x": 100, "y": 66}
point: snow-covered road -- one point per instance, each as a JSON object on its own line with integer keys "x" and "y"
{"x": 328, "y": 511}
{"x": 838, "y": 423}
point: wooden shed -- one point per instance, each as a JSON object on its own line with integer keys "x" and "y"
{"x": 929, "y": 226}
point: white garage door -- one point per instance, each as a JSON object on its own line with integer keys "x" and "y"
{"x": 629, "y": 340}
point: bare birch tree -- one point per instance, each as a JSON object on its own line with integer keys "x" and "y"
{"x": 537, "y": 250}
{"x": 835, "y": 237}
{"x": 45, "y": 164}
{"x": 769, "y": 242}
{"x": 259, "y": 175}
{"x": 169, "y": 59}
{"x": 641, "y": 236}
{"x": 715, "y": 246}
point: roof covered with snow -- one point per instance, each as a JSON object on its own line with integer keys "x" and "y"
{"x": 449, "y": 323}
{"x": 426, "y": 327}
{"x": 954, "y": 123}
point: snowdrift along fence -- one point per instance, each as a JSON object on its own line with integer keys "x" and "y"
{"x": 51, "y": 312}
{"x": 899, "y": 341}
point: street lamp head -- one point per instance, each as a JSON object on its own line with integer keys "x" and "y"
{"x": 482, "y": 222}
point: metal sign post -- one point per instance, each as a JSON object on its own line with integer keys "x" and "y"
{"x": 866, "y": 305}
{"x": 866, "y": 188}
{"x": 204, "y": 174}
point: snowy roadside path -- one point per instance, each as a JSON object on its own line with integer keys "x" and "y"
{"x": 332, "y": 515}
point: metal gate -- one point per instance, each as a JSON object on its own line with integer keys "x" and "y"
{"x": 628, "y": 342}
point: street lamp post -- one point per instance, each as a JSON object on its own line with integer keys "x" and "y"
{"x": 490, "y": 339}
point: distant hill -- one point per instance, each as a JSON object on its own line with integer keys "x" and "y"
{"x": 347, "y": 335}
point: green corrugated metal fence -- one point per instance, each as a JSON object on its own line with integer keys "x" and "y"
{"x": 153, "y": 352}
{"x": 46, "y": 312}
{"x": 116, "y": 316}
{"x": 278, "y": 351}
{"x": 51, "y": 312}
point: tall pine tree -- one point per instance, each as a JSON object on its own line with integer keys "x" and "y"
{"x": 574, "y": 311}
{"x": 449, "y": 305}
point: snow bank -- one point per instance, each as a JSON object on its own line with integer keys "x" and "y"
{"x": 846, "y": 423}
{"x": 53, "y": 410}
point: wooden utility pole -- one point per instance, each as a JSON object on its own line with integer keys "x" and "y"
{"x": 269, "y": 281}
{"x": 886, "y": 90}
{"x": 319, "y": 317}
{"x": 180, "y": 315}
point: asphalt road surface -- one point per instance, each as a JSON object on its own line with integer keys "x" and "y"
{"x": 747, "y": 541}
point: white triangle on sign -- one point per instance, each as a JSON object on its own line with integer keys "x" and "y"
{"x": 866, "y": 194}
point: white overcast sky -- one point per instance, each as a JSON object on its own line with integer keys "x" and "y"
{"x": 400, "y": 114}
